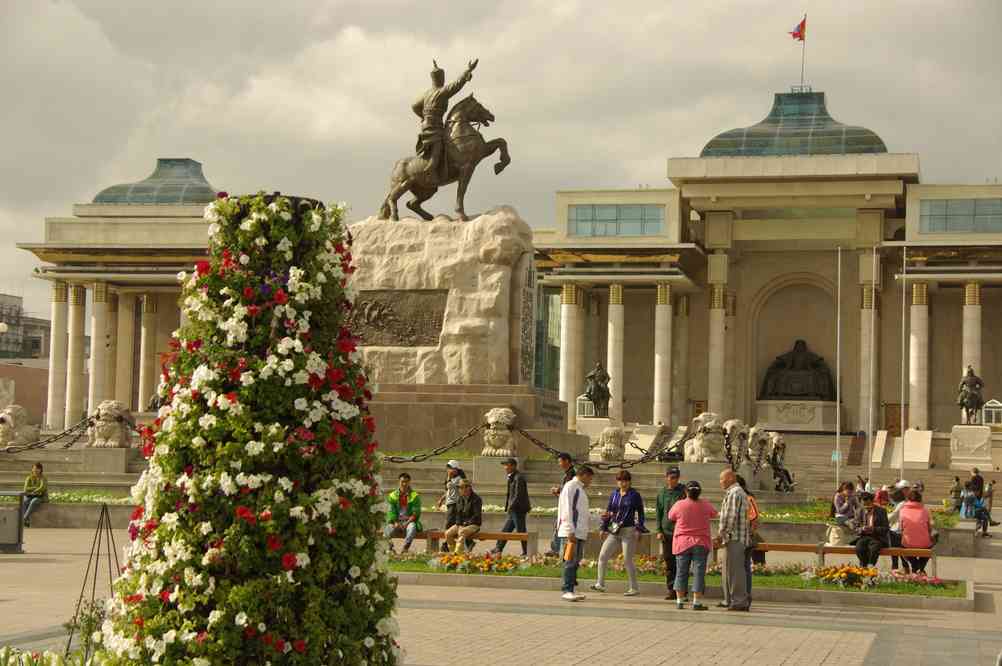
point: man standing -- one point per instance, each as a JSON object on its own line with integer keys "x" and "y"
{"x": 469, "y": 517}
{"x": 734, "y": 536}
{"x": 573, "y": 523}
{"x": 516, "y": 504}
{"x": 977, "y": 483}
{"x": 567, "y": 466}
{"x": 403, "y": 518}
{"x": 671, "y": 493}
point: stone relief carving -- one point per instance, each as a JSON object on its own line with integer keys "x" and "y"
{"x": 795, "y": 413}
{"x": 527, "y": 355}
{"x": 112, "y": 428}
{"x": 399, "y": 317}
{"x": 612, "y": 443}
{"x": 499, "y": 440}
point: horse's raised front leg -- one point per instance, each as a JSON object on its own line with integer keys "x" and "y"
{"x": 502, "y": 145}
{"x": 461, "y": 185}
{"x": 421, "y": 194}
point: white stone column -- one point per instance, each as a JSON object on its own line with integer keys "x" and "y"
{"x": 110, "y": 376}
{"x": 570, "y": 353}
{"x": 98, "y": 346}
{"x": 918, "y": 359}
{"x": 75, "y": 390}
{"x": 55, "y": 412}
{"x": 125, "y": 350}
{"x": 730, "y": 355}
{"x": 971, "y": 346}
{"x": 614, "y": 352}
{"x": 680, "y": 364}
{"x": 717, "y": 351}
{"x": 869, "y": 360}
{"x": 148, "y": 370}
{"x": 662, "y": 355}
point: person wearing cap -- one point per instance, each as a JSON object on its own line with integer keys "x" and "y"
{"x": 573, "y": 524}
{"x": 669, "y": 495}
{"x": 567, "y": 466}
{"x": 872, "y": 529}
{"x": 691, "y": 543}
{"x": 516, "y": 504}
{"x": 469, "y": 518}
{"x": 454, "y": 475}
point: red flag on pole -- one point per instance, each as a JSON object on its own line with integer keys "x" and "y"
{"x": 800, "y": 32}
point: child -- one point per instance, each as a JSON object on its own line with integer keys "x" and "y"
{"x": 36, "y": 491}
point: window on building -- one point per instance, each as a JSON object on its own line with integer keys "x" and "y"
{"x": 958, "y": 216}
{"x": 615, "y": 220}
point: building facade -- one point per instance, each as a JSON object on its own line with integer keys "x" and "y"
{"x": 776, "y": 233}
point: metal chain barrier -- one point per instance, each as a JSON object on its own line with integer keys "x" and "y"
{"x": 78, "y": 430}
{"x": 650, "y": 456}
{"x": 421, "y": 457}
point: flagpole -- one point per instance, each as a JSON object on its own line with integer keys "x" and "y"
{"x": 838, "y": 370}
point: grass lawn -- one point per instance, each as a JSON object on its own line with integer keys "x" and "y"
{"x": 794, "y": 581}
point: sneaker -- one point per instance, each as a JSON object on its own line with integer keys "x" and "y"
{"x": 579, "y": 597}
{"x": 721, "y": 604}
{"x": 630, "y": 593}
{"x": 993, "y": 523}
{"x": 699, "y": 607}
{"x": 598, "y": 588}
{"x": 569, "y": 596}
{"x": 680, "y": 604}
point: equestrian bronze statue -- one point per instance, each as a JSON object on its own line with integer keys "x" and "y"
{"x": 449, "y": 147}
{"x": 969, "y": 396}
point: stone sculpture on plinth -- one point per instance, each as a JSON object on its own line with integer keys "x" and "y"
{"x": 597, "y": 390}
{"x": 499, "y": 440}
{"x": 449, "y": 147}
{"x": 969, "y": 396}
{"x": 707, "y": 445}
{"x": 112, "y": 427}
{"x": 612, "y": 444}
{"x": 14, "y": 427}
{"x": 799, "y": 374}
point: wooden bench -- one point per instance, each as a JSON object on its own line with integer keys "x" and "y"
{"x": 433, "y": 539}
{"x": 820, "y": 550}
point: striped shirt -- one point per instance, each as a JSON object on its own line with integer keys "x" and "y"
{"x": 734, "y": 524}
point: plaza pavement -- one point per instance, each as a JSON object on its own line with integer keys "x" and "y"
{"x": 442, "y": 626}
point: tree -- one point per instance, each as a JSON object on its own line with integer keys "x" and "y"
{"x": 255, "y": 538}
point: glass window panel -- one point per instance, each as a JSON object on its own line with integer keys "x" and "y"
{"x": 605, "y": 229}
{"x": 988, "y": 223}
{"x": 581, "y": 212}
{"x": 606, "y": 213}
{"x": 937, "y": 223}
{"x": 631, "y": 212}
{"x": 960, "y": 207}
{"x": 937, "y": 206}
{"x": 654, "y": 213}
{"x": 926, "y": 207}
{"x": 960, "y": 223}
{"x": 652, "y": 228}
{"x": 988, "y": 207}
{"x": 631, "y": 228}
{"x": 584, "y": 228}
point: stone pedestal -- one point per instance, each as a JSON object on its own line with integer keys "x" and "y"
{"x": 796, "y": 415}
{"x": 970, "y": 446}
{"x": 917, "y": 449}
{"x": 105, "y": 461}
{"x": 491, "y": 471}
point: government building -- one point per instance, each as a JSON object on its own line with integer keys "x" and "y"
{"x": 792, "y": 266}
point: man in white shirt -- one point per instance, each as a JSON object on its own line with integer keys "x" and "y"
{"x": 573, "y": 523}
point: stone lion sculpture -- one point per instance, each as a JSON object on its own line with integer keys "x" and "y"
{"x": 14, "y": 427}
{"x": 736, "y": 437}
{"x": 612, "y": 443}
{"x": 753, "y": 464}
{"x": 708, "y": 443}
{"x": 112, "y": 426}
{"x": 499, "y": 440}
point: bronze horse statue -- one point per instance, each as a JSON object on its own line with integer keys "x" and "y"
{"x": 465, "y": 149}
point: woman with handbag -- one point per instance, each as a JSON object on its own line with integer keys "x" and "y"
{"x": 622, "y": 523}
{"x": 691, "y": 544}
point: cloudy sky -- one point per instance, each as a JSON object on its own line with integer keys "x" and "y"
{"x": 312, "y": 97}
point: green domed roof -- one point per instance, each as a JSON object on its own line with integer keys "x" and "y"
{"x": 174, "y": 181}
{"x": 798, "y": 124}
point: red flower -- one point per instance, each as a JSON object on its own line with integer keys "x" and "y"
{"x": 253, "y": 310}
{"x": 280, "y": 645}
{"x": 243, "y": 513}
{"x": 202, "y": 636}
{"x": 316, "y": 382}
{"x": 274, "y": 543}
{"x": 202, "y": 268}
{"x": 346, "y": 346}
{"x": 133, "y": 598}
{"x": 232, "y": 396}
{"x": 289, "y": 561}
{"x": 250, "y": 632}
{"x": 249, "y": 293}
{"x": 370, "y": 424}
{"x": 335, "y": 375}
{"x": 220, "y": 195}
{"x": 332, "y": 445}
{"x": 344, "y": 502}
{"x": 299, "y": 646}
{"x": 264, "y": 516}
{"x": 281, "y": 297}
{"x": 266, "y": 639}
{"x": 165, "y": 596}
{"x": 137, "y": 513}
{"x": 339, "y": 428}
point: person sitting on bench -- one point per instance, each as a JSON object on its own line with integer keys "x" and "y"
{"x": 403, "y": 518}
{"x": 36, "y": 491}
{"x": 469, "y": 517}
{"x": 872, "y": 527}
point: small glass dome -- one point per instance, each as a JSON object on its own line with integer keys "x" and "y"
{"x": 798, "y": 124}
{"x": 174, "y": 181}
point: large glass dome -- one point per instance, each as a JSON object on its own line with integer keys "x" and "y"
{"x": 174, "y": 181}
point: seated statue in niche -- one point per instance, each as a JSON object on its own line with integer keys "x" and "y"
{"x": 799, "y": 374}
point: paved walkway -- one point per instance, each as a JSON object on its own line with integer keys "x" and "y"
{"x": 443, "y": 626}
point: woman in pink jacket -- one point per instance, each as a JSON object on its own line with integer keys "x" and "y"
{"x": 691, "y": 543}
{"x": 916, "y": 529}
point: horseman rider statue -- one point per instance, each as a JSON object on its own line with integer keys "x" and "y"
{"x": 431, "y": 108}
{"x": 969, "y": 395}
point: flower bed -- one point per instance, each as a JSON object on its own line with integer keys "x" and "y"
{"x": 791, "y": 575}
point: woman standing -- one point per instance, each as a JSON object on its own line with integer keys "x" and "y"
{"x": 622, "y": 521}
{"x": 691, "y": 544}
{"x": 916, "y": 529}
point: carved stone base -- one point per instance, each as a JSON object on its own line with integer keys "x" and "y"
{"x": 970, "y": 446}
{"x": 796, "y": 415}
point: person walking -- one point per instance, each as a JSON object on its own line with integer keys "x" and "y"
{"x": 734, "y": 537}
{"x": 622, "y": 524}
{"x": 916, "y": 529}
{"x": 691, "y": 544}
{"x": 567, "y": 467}
{"x": 573, "y": 523}
{"x": 516, "y": 505}
{"x": 669, "y": 495}
{"x": 872, "y": 529}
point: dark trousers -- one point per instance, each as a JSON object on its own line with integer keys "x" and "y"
{"x": 895, "y": 539}
{"x": 982, "y": 518}
{"x": 748, "y": 571}
{"x": 555, "y": 541}
{"x": 868, "y": 550}
{"x": 917, "y": 563}
{"x": 670, "y": 563}
{"x": 515, "y": 523}
{"x": 451, "y": 512}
